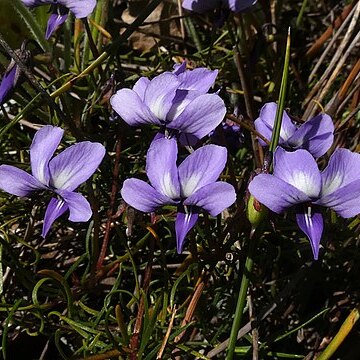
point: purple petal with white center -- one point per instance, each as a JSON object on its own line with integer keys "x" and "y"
{"x": 7, "y": 83}
{"x": 200, "y": 168}
{"x": 56, "y": 19}
{"x": 79, "y": 207}
{"x": 266, "y": 131}
{"x": 161, "y": 167}
{"x": 75, "y": 165}
{"x": 200, "y": 79}
{"x": 181, "y": 100}
{"x": 240, "y": 5}
{"x": 214, "y": 198}
{"x": 18, "y": 182}
{"x": 179, "y": 68}
{"x": 185, "y": 221}
{"x": 200, "y": 6}
{"x": 160, "y": 93}
{"x": 298, "y": 169}
{"x": 201, "y": 116}
{"x": 345, "y": 200}
{"x": 142, "y": 196}
{"x": 315, "y": 135}
{"x": 343, "y": 168}
{"x": 43, "y": 146}
{"x": 267, "y": 116}
{"x": 276, "y": 194}
{"x": 310, "y": 221}
{"x": 140, "y": 87}
{"x": 128, "y": 104}
{"x": 55, "y": 209}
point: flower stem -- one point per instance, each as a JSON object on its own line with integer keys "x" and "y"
{"x": 241, "y": 302}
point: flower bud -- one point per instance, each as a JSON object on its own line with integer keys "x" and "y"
{"x": 255, "y": 211}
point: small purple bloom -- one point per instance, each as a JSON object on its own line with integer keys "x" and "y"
{"x": 190, "y": 186}
{"x": 201, "y": 6}
{"x": 315, "y": 135}
{"x": 60, "y": 9}
{"x": 298, "y": 182}
{"x": 177, "y": 100}
{"x": 13, "y": 75}
{"x": 8, "y": 82}
{"x": 61, "y": 174}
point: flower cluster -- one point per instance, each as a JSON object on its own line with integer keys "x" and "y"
{"x": 179, "y": 104}
{"x": 297, "y": 181}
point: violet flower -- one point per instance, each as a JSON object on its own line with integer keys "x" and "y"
{"x": 190, "y": 186}
{"x": 13, "y": 75}
{"x": 201, "y": 6}
{"x": 8, "y": 82}
{"x": 297, "y": 182}
{"x": 61, "y": 174}
{"x": 177, "y": 101}
{"x": 60, "y": 10}
{"x": 315, "y": 135}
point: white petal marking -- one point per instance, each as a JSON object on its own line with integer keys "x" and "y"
{"x": 189, "y": 185}
{"x": 168, "y": 187}
{"x": 304, "y": 183}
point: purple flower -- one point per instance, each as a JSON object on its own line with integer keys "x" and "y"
{"x": 177, "y": 100}
{"x": 61, "y": 174}
{"x": 8, "y": 82}
{"x": 315, "y": 135}
{"x": 13, "y": 75}
{"x": 298, "y": 182}
{"x": 60, "y": 9}
{"x": 190, "y": 186}
{"x": 201, "y": 6}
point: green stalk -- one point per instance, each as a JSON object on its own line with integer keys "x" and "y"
{"x": 282, "y": 95}
{"x": 301, "y": 13}
{"x": 241, "y": 298}
{"x": 346, "y": 327}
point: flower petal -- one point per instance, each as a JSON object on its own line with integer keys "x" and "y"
{"x": 200, "y": 6}
{"x": 79, "y": 207}
{"x": 7, "y": 83}
{"x": 276, "y": 194}
{"x": 140, "y": 87}
{"x": 200, "y": 79}
{"x": 128, "y": 104}
{"x": 213, "y": 198}
{"x": 185, "y": 221}
{"x": 55, "y": 209}
{"x": 310, "y": 221}
{"x": 179, "y": 68}
{"x": 75, "y": 165}
{"x": 161, "y": 167}
{"x": 298, "y": 169}
{"x": 42, "y": 148}
{"x": 345, "y": 200}
{"x": 18, "y": 182}
{"x": 80, "y": 9}
{"x": 315, "y": 135}
{"x": 238, "y": 6}
{"x": 160, "y": 93}
{"x": 267, "y": 117}
{"x": 56, "y": 19}
{"x": 343, "y": 168}
{"x": 142, "y": 196}
{"x": 201, "y": 116}
{"x": 200, "y": 168}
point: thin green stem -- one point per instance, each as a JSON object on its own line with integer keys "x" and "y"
{"x": 282, "y": 95}
{"x": 241, "y": 298}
